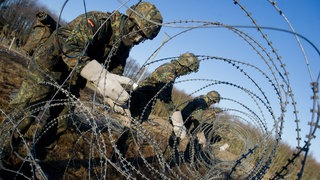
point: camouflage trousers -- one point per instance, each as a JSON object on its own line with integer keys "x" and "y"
{"x": 38, "y": 103}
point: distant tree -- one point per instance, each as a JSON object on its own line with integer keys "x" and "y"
{"x": 133, "y": 70}
{"x": 21, "y": 16}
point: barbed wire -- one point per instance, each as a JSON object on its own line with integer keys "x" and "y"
{"x": 94, "y": 129}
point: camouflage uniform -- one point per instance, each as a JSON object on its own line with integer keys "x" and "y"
{"x": 104, "y": 37}
{"x": 197, "y": 109}
{"x": 160, "y": 81}
{"x": 65, "y": 51}
{"x": 158, "y": 85}
{"x": 193, "y": 113}
{"x": 203, "y": 122}
{"x": 42, "y": 29}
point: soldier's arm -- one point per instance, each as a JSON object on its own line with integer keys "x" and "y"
{"x": 75, "y": 45}
{"x": 117, "y": 65}
{"x": 166, "y": 97}
{"x": 188, "y": 109}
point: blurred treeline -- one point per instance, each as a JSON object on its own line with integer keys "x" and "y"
{"x": 16, "y": 20}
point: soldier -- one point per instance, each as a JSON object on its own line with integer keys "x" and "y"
{"x": 193, "y": 112}
{"x": 42, "y": 29}
{"x": 188, "y": 119}
{"x": 73, "y": 55}
{"x": 159, "y": 85}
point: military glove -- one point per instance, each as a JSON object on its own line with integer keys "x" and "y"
{"x": 134, "y": 86}
{"x": 106, "y": 83}
{"x": 178, "y": 127}
{"x": 202, "y": 139}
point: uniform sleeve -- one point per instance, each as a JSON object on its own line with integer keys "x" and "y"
{"x": 166, "y": 76}
{"x": 77, "y": 41}
{"x": 118, "y": 61}
{"x": 170, "y": 106}
{"x": 166, "y": 97}
{"x": 188, "y": 109}
{"x": 192, "y": 106}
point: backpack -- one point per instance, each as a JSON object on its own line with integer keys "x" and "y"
{"x": 42, "y": 29}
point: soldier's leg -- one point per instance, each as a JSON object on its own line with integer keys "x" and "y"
{"x": 55, "y": 126}
{"x": 59, "y": 120}
{"x": 25, "y": 105}
{"x": 63, "y": 119}
{"x": 65, "y": 115}
{"x": 49, "y": 133}
{"x": 19, "y": 108}
{"x": 33, "y": 90}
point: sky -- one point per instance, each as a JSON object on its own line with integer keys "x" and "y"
{"x": 219, "y": 41}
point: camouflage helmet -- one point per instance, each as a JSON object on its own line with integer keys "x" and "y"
{"x": 213, "y": 96}
{"x": 189, "y": 60}
{"x": 150, "y": 14}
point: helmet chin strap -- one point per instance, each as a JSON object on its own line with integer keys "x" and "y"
{"x": 125, "y": 25}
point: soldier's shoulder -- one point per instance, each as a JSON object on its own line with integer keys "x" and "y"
{"x": 199, "y": 100}
{"x": 98, "y": 14}
{"x": 93, "y": 15}
{"x": 166, "y": 67}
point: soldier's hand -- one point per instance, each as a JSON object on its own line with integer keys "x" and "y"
{"x": 178, "y": 126}
{"x": 106, "y": 83}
